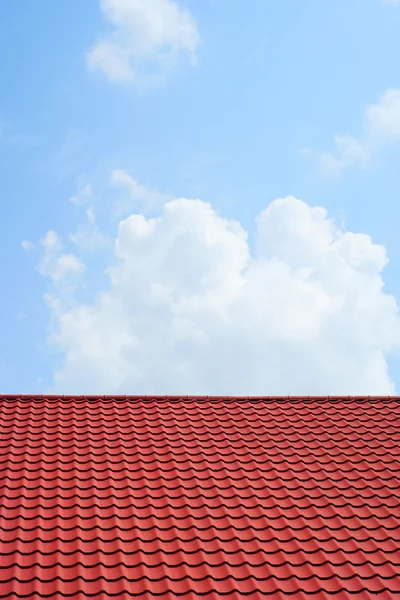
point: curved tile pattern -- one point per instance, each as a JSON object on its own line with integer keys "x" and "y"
{"x": 141, "y": 497}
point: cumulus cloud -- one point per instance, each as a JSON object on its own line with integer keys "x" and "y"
{"x": 146, "y": 41}
{"x": 192, "y": 306}
{"x": 381, "y": 130}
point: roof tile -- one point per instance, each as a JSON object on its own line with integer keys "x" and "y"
{"x": 127, "y": 497}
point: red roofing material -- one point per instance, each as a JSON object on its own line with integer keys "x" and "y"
{"x": 190, "y": 497}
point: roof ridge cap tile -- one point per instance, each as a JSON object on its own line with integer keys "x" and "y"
{"x": 198, "y": 398}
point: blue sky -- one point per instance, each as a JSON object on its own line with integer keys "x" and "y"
{"x": 244, "y": 109}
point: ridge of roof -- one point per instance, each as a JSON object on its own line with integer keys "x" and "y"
{"x": 199, "y": 398}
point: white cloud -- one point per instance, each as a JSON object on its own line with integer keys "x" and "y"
{"x": 381, "y": 130}
{"x": 57, "y": 265}
{"x": 192, "y": 307}
{"x": 84, "y": 192}
{"x": 27, "y": 245}
{"x": 134, "y": 193}
{"x": 147, "y": 39}
{"x": 88, "y": 235}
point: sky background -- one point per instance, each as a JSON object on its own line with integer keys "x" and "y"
{"x": 161, "y": 165}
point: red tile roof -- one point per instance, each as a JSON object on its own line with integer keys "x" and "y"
{"x": 185, "y": 497}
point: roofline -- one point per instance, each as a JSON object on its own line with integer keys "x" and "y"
{"x": 176, "y": 398}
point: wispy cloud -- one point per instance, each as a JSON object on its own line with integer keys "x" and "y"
{"x": 84, "y": 192}
{"x": 88, "y": 236}
{"x": 380, "y": 130}
{"x": 56, "y": 264}
{"x": 146, "y": 40}
{"x": 27, "y": 245}
{"x": 134, "y": 194}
